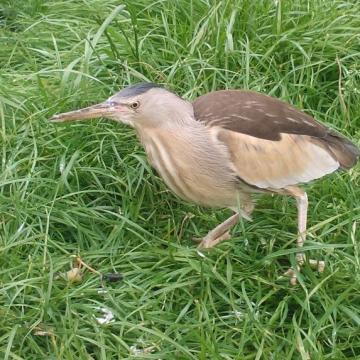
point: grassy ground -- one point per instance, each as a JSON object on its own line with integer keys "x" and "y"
{"x": 86, "y": 189}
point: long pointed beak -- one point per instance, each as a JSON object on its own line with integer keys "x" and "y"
{"x": 91, "y": 112}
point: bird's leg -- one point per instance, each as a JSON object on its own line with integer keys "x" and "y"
{"x": 302, "y": 206}
{"x": 220, "y": 233}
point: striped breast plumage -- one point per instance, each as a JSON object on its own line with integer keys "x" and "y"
{"x": 190, "y": 165}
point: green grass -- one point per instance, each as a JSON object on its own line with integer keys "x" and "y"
{"x": 87, "y": 189}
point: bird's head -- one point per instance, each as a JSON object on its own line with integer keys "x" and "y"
{"x": 141, "y": 105}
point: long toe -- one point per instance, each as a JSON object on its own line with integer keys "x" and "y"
{"x": 319, "y": 265}
{"x": 209, "y": 242}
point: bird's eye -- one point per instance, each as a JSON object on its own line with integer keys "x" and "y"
{"x": 135, "y": 105}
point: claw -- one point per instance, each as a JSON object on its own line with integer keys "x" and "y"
{"x": 314, "y": 264}
{"x": 208, "y": 242}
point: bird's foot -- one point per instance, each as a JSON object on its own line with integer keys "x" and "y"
{"x": 300, "y": 259}
{"x": 208, "y": 242}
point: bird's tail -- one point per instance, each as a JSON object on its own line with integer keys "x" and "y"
{"x": 346, "y": 152}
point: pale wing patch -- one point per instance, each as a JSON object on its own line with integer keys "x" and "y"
{"x": 275, "y": 164}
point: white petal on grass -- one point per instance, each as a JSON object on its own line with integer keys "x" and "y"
{"x": 107, "y": 317}
{"x": 239, "y": 315}
{"x": 62, "y": 166}
{"x": 102, "y": 291}
{"x": 138, "y": 352}
{"x": 200, "y": 254}
{"x": 135, "y": 351}
{"x": 20, "y": 228}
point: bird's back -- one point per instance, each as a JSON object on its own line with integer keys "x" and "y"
{"x": 272, "y": 143}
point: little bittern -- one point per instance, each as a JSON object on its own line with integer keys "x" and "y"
{"x": 225, "y": 146}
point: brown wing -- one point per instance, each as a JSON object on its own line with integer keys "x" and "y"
{"x": 272, "y": 144}
{"x": 254, "y": 114}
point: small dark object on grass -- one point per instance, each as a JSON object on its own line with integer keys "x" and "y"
{"x": 112, "y": 277}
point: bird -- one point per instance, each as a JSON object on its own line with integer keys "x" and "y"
{"x": 226, "y": 145}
